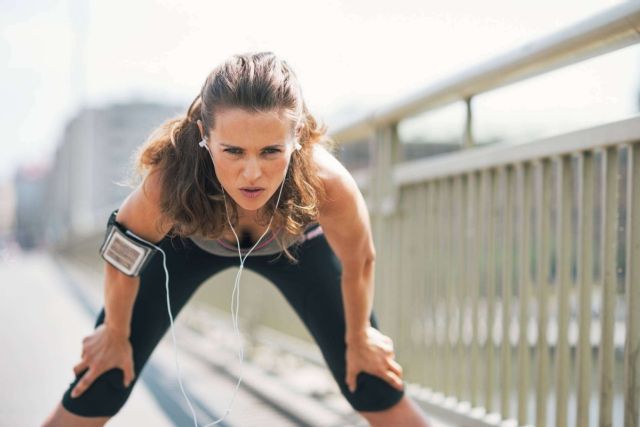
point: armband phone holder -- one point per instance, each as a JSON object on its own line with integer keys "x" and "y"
{"x": 124, "y": 250}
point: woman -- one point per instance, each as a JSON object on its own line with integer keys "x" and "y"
{"x": 265, "y": 170}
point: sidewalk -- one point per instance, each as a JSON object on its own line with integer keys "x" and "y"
{"x": 210, "y": 367}
{"x": 42, "y": 330}
{"x": 49, "y": 304}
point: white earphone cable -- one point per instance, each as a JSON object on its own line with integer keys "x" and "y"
{"x": 234, "y": 316}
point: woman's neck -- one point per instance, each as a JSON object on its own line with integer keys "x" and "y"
{"x": 249, "y": 217}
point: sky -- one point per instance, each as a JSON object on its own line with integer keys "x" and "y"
{"x": 350, "y": 56}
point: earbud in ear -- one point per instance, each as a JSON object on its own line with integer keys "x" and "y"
{"x": 203, "y": 144}
{"x": 297, "y": 146}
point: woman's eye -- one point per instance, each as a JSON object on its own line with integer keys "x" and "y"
{"x": 232, "y": 151}
{"x": 271, "y": 150}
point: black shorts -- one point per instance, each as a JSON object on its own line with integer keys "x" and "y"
{"x": 312, "y": 287}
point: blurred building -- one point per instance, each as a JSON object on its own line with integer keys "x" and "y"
{"x": 7, "y": 211}
{"x": 93, "y": 161}
{"x": 30, "y": 214}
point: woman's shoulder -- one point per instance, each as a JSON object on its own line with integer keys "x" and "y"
{"x": 333, "y": 174}
{"x": 329, "y": 168}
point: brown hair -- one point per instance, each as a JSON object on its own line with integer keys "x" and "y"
{"x": 191, "y": 196}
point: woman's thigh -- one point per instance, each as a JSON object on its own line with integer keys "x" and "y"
{"x": 313, "y": 288}
{"x": 188, "y": 268}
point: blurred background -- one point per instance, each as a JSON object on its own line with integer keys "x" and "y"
{"x": 84, "y": 82}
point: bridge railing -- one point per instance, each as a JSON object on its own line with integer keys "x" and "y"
{"x": 508, "y": 274}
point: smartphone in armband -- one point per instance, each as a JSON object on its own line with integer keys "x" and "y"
{"x": 124, "y": 250}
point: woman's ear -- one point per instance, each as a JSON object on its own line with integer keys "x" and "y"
{"x": 199, "y": 122}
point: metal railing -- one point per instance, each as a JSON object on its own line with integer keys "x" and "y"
{"x": 505, "y": 271}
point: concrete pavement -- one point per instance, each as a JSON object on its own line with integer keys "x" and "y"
{"x": 41, "y": 334}
{"x": 50, "y": 303}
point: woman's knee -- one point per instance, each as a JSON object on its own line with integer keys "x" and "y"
{"x": 372, "y": 394}
{"x": 104, "y": 397}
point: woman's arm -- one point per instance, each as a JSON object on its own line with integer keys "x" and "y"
{"x": 140, "y": 213}
{"x": 345, "y": 221}
{"x": 108, "y": 346}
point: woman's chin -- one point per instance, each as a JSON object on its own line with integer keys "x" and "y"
{"x": 249, "y": 205}
{"x": 250, "y": 209}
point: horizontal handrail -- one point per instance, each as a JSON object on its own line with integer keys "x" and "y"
{"x": 456, "y": 163}
{"x": 608, "y": 31}
{"x": 491, "y": 156}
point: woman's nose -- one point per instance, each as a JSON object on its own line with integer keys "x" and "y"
{"x": 251, "y": 170}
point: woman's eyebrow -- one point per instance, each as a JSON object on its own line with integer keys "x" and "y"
{"x": 266, "y": 146}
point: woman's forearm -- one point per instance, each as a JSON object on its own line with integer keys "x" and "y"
{"x": 120, "y": 293}
{"x": 357, "y": 294}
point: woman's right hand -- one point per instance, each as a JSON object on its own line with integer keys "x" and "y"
{"x": 103, "y": 350}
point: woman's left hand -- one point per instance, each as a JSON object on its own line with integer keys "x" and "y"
{"x": 373, "y": 354}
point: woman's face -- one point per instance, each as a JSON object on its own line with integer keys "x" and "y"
{"x": 250, "y": 151}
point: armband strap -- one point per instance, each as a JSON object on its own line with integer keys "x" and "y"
{"x": 124, "y": 250}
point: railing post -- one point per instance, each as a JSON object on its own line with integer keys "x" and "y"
{"x": 474, "y": 221}
{"x": 612, "y": 223}
{"x": 632, "y": 278}
{"x": 385, "y": 154}
{"x": 564, "y": 229}
{"x": 382, "y": 201}
{"x": 585, "y": 286}
{"x": 467, "y": 139}
{"x": 490, "y": 287}
{"x": 526, "y": 184}
{"x": 506, "y": 180}
{"x": 542, "y": 170}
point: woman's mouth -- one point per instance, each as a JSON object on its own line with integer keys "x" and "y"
{"x": 251, "y": 192}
